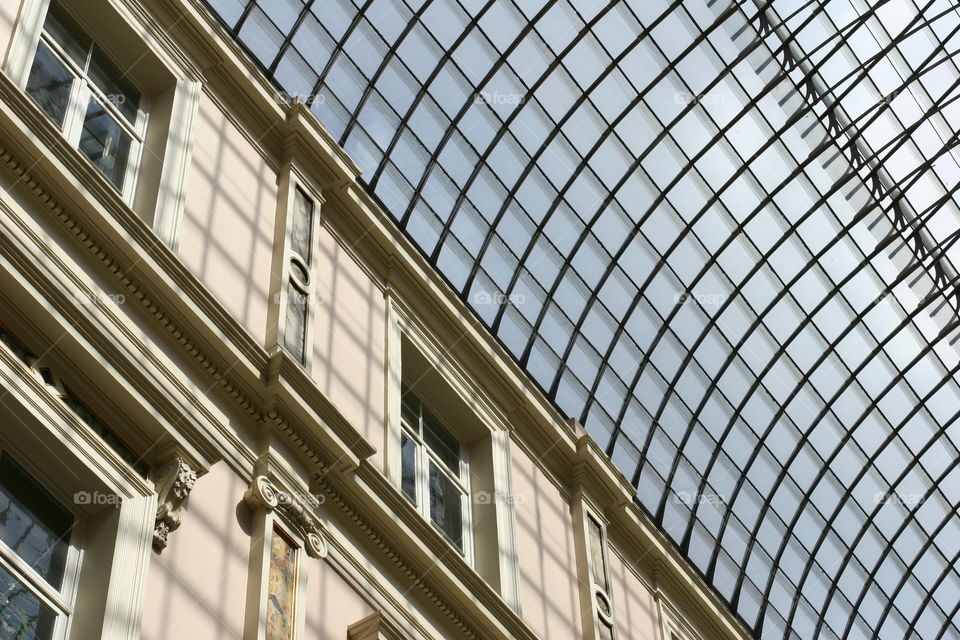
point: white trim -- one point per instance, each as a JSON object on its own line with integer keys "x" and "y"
{"x": 131, "y": 563}
{"x": 107, "y": 592}
{"x": 258, "y": 575}
{"x": 673, "y": 626}
{"x": 590, "y": 592}
{"x": 177, "y": 158}
{"x": 506, "y": 519}
{"x": 24, "y": 40}
{"x": 290, "y": 180}
{"x": 393, "y": 385}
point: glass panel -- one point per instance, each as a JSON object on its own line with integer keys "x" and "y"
{"x": 66, "y": 33}
{"x": 300, "y": 226}
{"x": 446, "y": 505}
{"x": 441, "y": 442}
{"x": 295, "y": 328}
{"x": 111, "y": 82}
{"x": 299, "y": 272}
{"x": 32, "y": 523}
{"x": 597, "y": 567}
{"x": 282, "y": 585}
{"x": 410, "y": 411}
{"x": 105, "y": 143}
{"x": 50, "y": 83}
{"x": 408, "y": 466}
{"x": 22, "y": 615}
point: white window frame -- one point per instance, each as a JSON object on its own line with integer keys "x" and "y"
{"x": 81, "y": 92}
{"x": 426, "y": 456}
{"x": 672, "y": 624}
{"x": 292, "y": 180}
{"x": 84, "y": 464}
{"x": 170, "y": 203}
{"x": 499, "y": 565}
{"x": 591, "y": 593}
{"x": 60, "y": 601}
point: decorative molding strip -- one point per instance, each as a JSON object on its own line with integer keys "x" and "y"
{"x": 391, "y": 554}
{"x": 220, "y": 376}
{"x": 264, "y": 494}
{"x": 175, "y": 480}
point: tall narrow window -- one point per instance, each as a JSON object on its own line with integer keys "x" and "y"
{"x": 89, "y": 98}
{"x": 35, "y": 533}
{"x": 434, "y": 475}
{"x": 298, "y": 283}
{"x": 599, "y": 579}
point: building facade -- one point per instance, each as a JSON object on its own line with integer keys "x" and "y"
{"x": 238, "y": 402}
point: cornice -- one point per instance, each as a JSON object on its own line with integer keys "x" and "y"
{"x": 279, "y": 383}
{"x": 468, "y": 603}
{"x": 138, "y": 272}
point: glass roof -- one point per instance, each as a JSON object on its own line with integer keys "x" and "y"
{"x": 720, "y": 234}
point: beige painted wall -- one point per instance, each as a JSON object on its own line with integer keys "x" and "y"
{"x": 350, "y": 332}
{"x": 331, "y": 604}
{"x": 548, "y": 582}
{"x": 635, "y": 608}
{"x": 226, "y": 236}
{"x": 8, "y": 16}
{"x": 196, "y": 588}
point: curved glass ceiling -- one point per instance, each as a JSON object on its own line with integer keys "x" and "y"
{"x": 721, "y": 234}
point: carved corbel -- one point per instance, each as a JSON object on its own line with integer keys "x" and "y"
{"x": 264, "y": 494}
{"x": 175, "y": 479}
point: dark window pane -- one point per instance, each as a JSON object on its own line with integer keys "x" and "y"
{"x": 440, "y": 442}
{"x": 32, "y": 523}
{"x": 105, "y": 143}
{"x": 300, "y": 226}
{"x": 120, "y": 93}
{"x": 49, "y": 84}
{"x": 445, "y": 505}
{"x": 66, "y": 33}
{"x": 596, "y": 553}
{"x": 295, "y": 328}
{"x": 298, "y": 272}
{"x": 408, "y": 464}
{"x": 22, "y": 615}
{"x": 410, "y": 411}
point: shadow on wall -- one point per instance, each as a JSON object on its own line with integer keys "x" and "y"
{"x": 8, "y": 15}
{"x": 331, "y": 604}
{"x": 635, "y": 608}
{"x": 197, "y": 587}
{"x": 549, "y": 595}
{"x": 349, "y": 341}
{"x": 226, "y": 238}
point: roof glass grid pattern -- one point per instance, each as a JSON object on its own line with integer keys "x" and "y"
{"x": 721, "y": 235}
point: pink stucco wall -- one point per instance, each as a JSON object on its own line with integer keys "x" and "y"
{"x": 634, "y": 606}
{"x": 547, "y": 558}
{"x": 349, "y": 337}
{"x": 331, "y": 604}
{"x": 226, "y": 237}
{"x": 196, "y": 588}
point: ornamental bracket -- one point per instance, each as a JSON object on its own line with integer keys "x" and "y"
{"x": 175, "y": 479}
{"x": 264, "y": 494}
